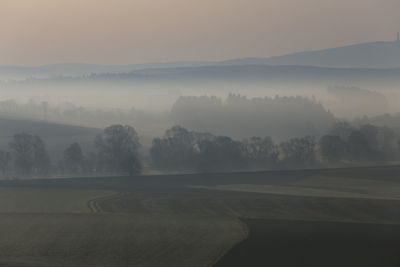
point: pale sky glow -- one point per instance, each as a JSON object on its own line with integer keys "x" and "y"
{"x": 35, "y": 32}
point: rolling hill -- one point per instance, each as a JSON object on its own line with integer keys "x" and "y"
{"x": 366, "y": 55}
{"x": 57, "y": 136}
{"x": 9, "y": 126}
{"x": 228, "y": 74}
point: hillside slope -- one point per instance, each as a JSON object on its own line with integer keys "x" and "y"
{"x": 366, "y": 55}
{"x": 57, "y": 136}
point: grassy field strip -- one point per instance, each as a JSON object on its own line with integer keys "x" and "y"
{"x": 239, "y": 204}
{"x": 293, "y": 190}
{"x": 48, "y": 200}
{"x": 159, "y": 225}
{"x": 388, "y": 189}
{"x": 114, "y": 240}
{"x": 69, "y": 227}
{"x": 183, "y": 209}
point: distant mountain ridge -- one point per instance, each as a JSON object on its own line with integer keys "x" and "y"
{"x": 228, "y": 75}
{"x": 81, "y": 69}
{"x": 366, "y": 55}
{"x": 375, "y": 55}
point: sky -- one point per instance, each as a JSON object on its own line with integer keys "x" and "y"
{"x": 38, "y": 32}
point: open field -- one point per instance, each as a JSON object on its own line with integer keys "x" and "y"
{"x": 48, "y": 200}
{"x": 301, "y": 243}
{"x": 113, "y": 240}
{"x": 194, "y": 220}
{"x": 322, "y": 186}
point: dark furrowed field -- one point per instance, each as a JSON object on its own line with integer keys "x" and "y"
{"x": 194, "y": 220}
{"x": 313, "y": 244}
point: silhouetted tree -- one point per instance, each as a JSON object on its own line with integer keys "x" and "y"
{"x": 332, "y": 148}
{"x": 358, "y": 147}
{"x": 73, "y": 158}
{"x": 220, "y": 154}
{"x": 118, "y": 147}
{"x": 31, "y": 156}
{"x": 298, "y": 152}
{"x": 41, "y": 159}
{"x": 23, "y": 150}
{"x": 261, "y": 152}
{"x": 175, "y": 151}
{"x": 5, "y": 159}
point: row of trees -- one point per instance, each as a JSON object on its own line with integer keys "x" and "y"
{"x": 116, "y": 153}
{"x": 181, "y": 150}
{"x": 360, "y": 144}
{"x": 29, "y": 156}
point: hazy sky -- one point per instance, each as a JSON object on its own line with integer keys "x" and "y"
{"x": 35, "y": 32}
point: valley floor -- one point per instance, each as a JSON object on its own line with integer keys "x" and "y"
{"x": 348, "y": 217}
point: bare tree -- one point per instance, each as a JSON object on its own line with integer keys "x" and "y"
{"x": 23, "y": 150}
{"x": 5, "y": 159}
{"x": 41, "y": 159}
{"x": 175, "y": 151}
{"x": 31, "y": 156}
{"x": 261, "y": 152}
{"x": 220, "y": 154}
{"x": 332, "y": 148}
{"x": 299, "y": 152}
{"x": 118, "y": 147}
{"x": 73, "y": 158}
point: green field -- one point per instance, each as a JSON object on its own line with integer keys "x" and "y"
{"x": 202, "y": 219}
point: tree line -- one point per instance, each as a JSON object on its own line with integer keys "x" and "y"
{"x": 183, "y": 150}
{"x": 118, "y": 152}
{"x": 237, "y": 116}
